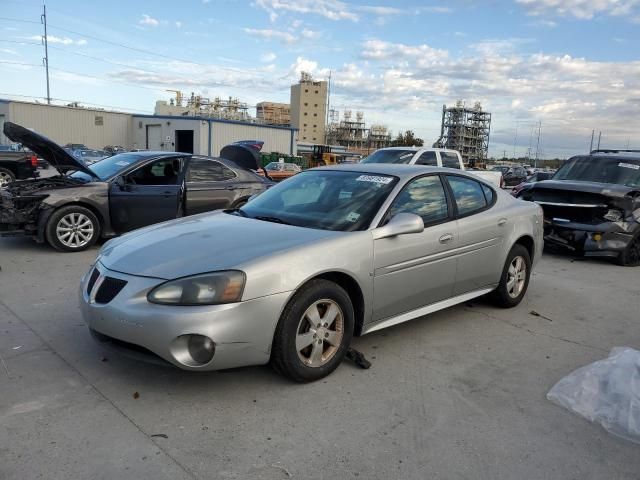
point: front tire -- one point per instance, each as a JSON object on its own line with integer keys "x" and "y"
{"x": 6, "y": 177}
{"x": 72, "y": 229}
{"x": 515, "y": 278}
{"x": 630, "y": 257}
{"x": 314, "y": 332}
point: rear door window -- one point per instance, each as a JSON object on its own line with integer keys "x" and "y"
{"x": 424, "y": 196}
{"x": 450, "y": 160}
{"x": 428, "y": 158}
{"x": 468, "y": 194}
{"x": 205, "y": 170}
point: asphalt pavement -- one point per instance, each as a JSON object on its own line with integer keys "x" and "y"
{"x": 456, "y": 395}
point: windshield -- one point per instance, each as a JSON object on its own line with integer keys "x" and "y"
{"x": 274, "y": 166}
{"x": 109, "y": 167}
{"x": 619, "y": 171}
{"x": 325, "y": 200}
{"x": 389, "y": 156}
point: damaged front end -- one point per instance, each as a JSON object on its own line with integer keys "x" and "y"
{"x": 23, "y": 209}
{"x": 589, "y": 219}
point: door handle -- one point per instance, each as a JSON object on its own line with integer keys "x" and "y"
{"x": 447, "y": 237}
{"x": 502, "y": 221}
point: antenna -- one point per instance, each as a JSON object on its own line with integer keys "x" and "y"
{"x": 45, "y": 60}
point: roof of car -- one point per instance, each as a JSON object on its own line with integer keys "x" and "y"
{"x": 402, "y": 171}
{"x": 415, "y": 149}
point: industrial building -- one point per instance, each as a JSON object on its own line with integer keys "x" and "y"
{"x": 309, "y": 109}
{"x": 271, "y": 113}
{"x": 204, "y": 135}
{"x": 353, "y": 134}
{"x": 466, "y": 130}
{"x": 65, "y": 124}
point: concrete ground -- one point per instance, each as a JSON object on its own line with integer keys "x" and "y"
{"x": 456, "y": 395}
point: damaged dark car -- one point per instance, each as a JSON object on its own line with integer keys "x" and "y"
{"x": 72, "y": 210}
{"x": 592, "y": 205}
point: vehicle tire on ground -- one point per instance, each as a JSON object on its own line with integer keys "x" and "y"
{"x": 72, "y": 229}
{"x": 515, "y": 278}
{"x": 630, "y": 257}
{"x": 314, "y": 332}
{"x": 6, "y": 176}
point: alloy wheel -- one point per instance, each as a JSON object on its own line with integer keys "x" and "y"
{"x": 320, "y": 332}
{"x": 516, "y": 276}
{"x": 5, "y": 179}
{"x": 75, "y": 230}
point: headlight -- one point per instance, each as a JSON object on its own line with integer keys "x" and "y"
{"x": 205, "y": 289}
{"x": 613, "y": 215}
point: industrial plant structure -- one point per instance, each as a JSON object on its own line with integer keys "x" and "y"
{"x": 272, "y": 113}
{"x": 466, "y": 130}
{"x": 353, "y": 134}
{"x": 309, "y": 108}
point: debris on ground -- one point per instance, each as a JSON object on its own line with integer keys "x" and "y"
{"x": 160, "y": 435}
{"x": 136, "y": 395}
{"x": 606, "y": 392}
{"x": 358, "y": 358}
{"x": 536, "y": 314}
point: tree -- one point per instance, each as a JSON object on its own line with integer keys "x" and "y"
{"x": 408, "y": 139}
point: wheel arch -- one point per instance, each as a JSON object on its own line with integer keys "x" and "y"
{"x": 353, "y": 289}
{"x": 74, "y": 203}
{"x": 527, "y": 242}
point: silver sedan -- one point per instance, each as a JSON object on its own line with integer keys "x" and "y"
{"x": 293, "y": 275}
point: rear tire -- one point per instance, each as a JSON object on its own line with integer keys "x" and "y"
{"x": 515, "y": 278}
{"x": 314, "y": 332}
{"x": 6, "y": 177}
{"x": 72, "y": 229}
{"x": 631, "y": 255}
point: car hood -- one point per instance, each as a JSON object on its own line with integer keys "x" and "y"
{"x": 202, "y": 243}
{"x": 606, "y": 189}
{"x": 46, "y": 149}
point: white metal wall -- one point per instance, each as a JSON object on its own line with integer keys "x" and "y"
{"x": 94, "y": 128}
{"x": 275, "y": 139}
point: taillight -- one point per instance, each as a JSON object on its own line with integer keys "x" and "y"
{"x": 34, "y": 161}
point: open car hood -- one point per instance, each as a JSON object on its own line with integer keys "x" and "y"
{"x": 48, "y": 150}
{"x": 242, "y": 155}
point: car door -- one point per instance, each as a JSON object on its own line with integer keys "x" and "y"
{"x": 149, "y": 194}
{"x": 481, "y": 229}
{"x": 210, "y": 186}
{"x": 414, "y": 270}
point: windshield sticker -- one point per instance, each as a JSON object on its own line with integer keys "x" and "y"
{"x": 410, "y": 154}
{"x": 374, "y": 179}
{"x": 123, "y": 164}
{"x": 629, "y": 165}
{"x": 353, "y": 217}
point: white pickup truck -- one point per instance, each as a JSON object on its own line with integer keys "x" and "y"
{"x": 432, "y": 157}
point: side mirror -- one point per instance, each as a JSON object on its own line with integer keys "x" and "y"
{"x": 120, "y": 182}
{"x": 401, "y": 224}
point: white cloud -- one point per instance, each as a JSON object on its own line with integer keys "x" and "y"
{"x": 150, "y": 21}
{"x": 331, "y": 9}
{"x": 179, "y": 24}
{"x": 8, "y": 51}
{"x": 60, "y": 40}
{"x": 269, "y": 34}
{"x": 582, "y": 9}
{"x": 268, "y": 57}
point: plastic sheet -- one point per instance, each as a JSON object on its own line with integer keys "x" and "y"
{"x": 605, "y": 392}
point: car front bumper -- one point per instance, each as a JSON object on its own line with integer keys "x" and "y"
{"x": 602, "y": 240}
{"x": 242, "y": 331}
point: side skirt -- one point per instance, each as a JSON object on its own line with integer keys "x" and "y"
{"x": 434, "y": 307}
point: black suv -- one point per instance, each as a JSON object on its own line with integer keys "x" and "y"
{"x": 592, "y": 205}
{"x": 17, "y": 165}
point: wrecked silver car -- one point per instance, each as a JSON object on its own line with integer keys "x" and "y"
{"x": 592, "y": 205}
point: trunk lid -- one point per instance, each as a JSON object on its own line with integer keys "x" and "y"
{"x": 45, "y": 148}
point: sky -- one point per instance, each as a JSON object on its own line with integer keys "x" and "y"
{"x": 566, "y": 67}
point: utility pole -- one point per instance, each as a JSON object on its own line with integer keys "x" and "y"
{"x": 43, "y": 20}
{"x": 515, "y": 139}
{"x": 326, "y": 120}
{"x": 599, "y": 137}
{"x": 538, "y": 143}
{"x": 593, "y": 132}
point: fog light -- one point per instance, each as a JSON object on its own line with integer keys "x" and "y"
{"x": 597, "y": 237}
{"x": 201, "y": 348}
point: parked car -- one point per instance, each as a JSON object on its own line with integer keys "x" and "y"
{"x": 17, "y": 165}
{"x": 431, "y": 157}
{"x": 290, "y": 277}
{"x": 114, "y": 149}
{"x": 75, "y": 146}
{"x": 278, "y": 171}
{"x": 592, "y": 206}
{"x": 512, "y": 175}
{"x": 89, "y": 156}
{"x": 124, "y": 192}
{"x": 536, "y": 177}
